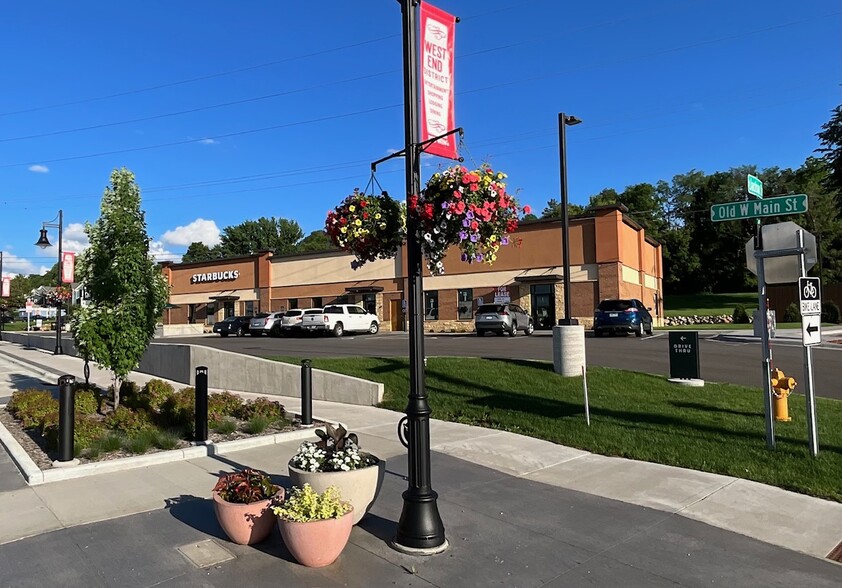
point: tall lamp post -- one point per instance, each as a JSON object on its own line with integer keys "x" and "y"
{"x": 43, "y": 242}
{"x": 563, "y": 121}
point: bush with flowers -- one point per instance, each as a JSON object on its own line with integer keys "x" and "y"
{"x": 467, "y": 208}
{"x": 56, "y": 296}
{"x": 369, "y": 226}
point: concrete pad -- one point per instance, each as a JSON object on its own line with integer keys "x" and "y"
{"x": 510, "y": 453}
{"x": 203, "y": 554}
{"x": 646, "y": 484}
{"x": 24, "y": 514}
{"x": 776, "y": 516}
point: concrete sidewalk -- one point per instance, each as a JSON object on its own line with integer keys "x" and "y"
{"x": 490, "y": 482}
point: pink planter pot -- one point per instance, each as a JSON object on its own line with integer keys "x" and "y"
{"x": 246, "y": 524}
{"x": 316, "y": 544}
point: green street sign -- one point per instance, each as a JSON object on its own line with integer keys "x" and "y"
{"x": 779, "y": 205}
{"x": 755, "y": 186}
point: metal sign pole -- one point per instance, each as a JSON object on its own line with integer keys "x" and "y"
{"x": 767, "y": 360}
{"x": 812, "y": 428}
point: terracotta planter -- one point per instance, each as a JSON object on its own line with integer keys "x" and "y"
{"x": 316, "y": 544}
{"x": 359, "y": 487}
{"x": 246, "y": 524}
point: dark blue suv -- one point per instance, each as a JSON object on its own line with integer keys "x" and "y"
{"x": 622, "y": 316}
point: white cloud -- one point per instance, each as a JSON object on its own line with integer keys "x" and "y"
{"x": 209, "y": 142}
{"x": 201, "y": 230}
{"x": 39, "y": 169}
{"x": 160, "y": 253}
{"x": 14, "y": 265}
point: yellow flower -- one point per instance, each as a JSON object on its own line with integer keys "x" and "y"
{"x": 492, "y": 238}
{"x": 343, "y": 230}
{"x": 352, "y": 208}
{"x": 358, "y": 222}
{"x": 377, "y": 216}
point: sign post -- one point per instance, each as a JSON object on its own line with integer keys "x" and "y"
{"x": 809, "y": 297}
{"x": 28, "y": 313}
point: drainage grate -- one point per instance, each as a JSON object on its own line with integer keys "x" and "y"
{"x": 205, "y": 553}
{"x": 836, "y": 553}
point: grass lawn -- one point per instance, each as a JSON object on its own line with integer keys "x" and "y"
{"x": 704, "y": 304}
{"x": 718, "y": 428}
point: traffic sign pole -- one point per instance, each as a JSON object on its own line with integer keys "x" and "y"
{"x": 810, "y": 394}
{"x": 767, "y": 356}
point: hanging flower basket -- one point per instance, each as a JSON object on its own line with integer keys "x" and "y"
{"x": 470, "y": 209}
{"x": 58, "y": 296}
{"x": 369, "y": 226}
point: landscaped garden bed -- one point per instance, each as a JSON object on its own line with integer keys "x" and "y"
{"x": 153, "y": 418}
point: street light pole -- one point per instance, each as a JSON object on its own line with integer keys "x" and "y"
{"x": 563, "y": 121}
{"x": 43, "y": 243}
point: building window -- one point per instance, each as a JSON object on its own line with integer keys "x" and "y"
{"x": 293, "y": 303}
{"x": 431, "y": 305}
{"x": 370, "y": 303}
{"x": 317, "y": 302}
{"x": 343, "y": 299}
{"x": 465, "y": 304}
{"x": 249, "y": 307}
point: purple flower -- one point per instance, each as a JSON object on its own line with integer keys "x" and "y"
{"x": 474, "y": 237}
{"x": 464, "y": 257}
{"x": 445, "y": 205}
{"x": 469, "y": 214}
{"x": 479, "y": 256}
{"x": 504, "y": 241}
{"x": 466, "y": 223}
{"x": 463, "y": 235}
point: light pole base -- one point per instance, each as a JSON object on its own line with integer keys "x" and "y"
{"x": 420, "y": 551}
{"x": 420, "y": 529}
{"x": 568, "y": 321}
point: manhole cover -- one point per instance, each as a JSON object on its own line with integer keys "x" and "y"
{"x": 205, "y": 553}
{"x": 836, "y": 553}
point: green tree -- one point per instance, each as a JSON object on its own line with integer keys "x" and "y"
{"x": 553, "y": 209}
{"x": 198, "y": 251}
{"x": 316, "y": 241}
{"x": 265, "y": 234}
{"x": 127, "y": 289}
{"x": 831, "y": 150}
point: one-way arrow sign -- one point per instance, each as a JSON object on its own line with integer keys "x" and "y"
{"x": 811, "y": 330}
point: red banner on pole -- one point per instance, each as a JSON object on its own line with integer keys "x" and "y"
{"x": 6, "y": 290}
{"x": 68, "y": 267}
{"x": 438, "y": 30}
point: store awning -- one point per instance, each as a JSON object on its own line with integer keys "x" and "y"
{"x": 224, "y": 298}
{"x": 549, "y": 275}
{"x": 363, "y": 289}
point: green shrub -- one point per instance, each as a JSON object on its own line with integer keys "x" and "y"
{"x": 256, "y": 425}
{"x": 830, "y": 312}
{"x": 86, "y": 401}
{"x": 792, "y": 314}
{"x": 224, "y": 426}
{"x": 155, "y": 393}
{"x": 179, "y": 409}
{"x": 165, "y": 439}
{"x": 264, "y": 407}
{"x": 223, "y": 404}
{"x": 140, "y": 442}
{"x": 740, "y": 315}
{"x": 31, "y": 406}
{"x": 86, "y": 431}
{"x": 109, "y": 442}
{"x": 128, "y": 421}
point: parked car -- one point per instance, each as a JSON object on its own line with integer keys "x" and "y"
{"x": 266, "y": 323}
{"x": 291, "y": 323}
{"x": 233, "y": 325}
{"x": 502, "y": 318}
{"x": 622, "y": 316}
{"x": 339, "y": 318}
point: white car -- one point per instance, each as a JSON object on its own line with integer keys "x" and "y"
{"x": 266, "y": 324}
{"x": 291, "y": 321}
{"x": 338, "y": 319}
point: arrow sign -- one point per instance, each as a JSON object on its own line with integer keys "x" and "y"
{"x": 811, "y": 330}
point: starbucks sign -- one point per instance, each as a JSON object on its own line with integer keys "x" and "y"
{"x": 225, "y": 276}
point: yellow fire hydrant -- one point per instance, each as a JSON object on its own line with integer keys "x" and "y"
{"x": 782, "y": 387}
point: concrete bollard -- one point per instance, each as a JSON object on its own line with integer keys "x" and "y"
{"x": 569, "y": 349}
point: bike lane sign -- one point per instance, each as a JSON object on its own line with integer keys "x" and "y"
{"x": 809, "y": 296}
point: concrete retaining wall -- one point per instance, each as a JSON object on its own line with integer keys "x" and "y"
{"x": 231, "y": 371}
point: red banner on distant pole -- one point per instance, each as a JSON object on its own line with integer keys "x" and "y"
{"x": 6, "y": 290}
{"x": 68, "y": 267}
{"x": 438, "y": 30}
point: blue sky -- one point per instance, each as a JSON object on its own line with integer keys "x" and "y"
{"x": 663, "y": 87}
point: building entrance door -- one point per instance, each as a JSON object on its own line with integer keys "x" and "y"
{"x": 543, "y": 305}
{"x": 396, "y": 315}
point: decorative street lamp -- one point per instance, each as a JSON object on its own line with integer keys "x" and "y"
{"x": 43, "y": 242}
{"x": 563, "y": 121}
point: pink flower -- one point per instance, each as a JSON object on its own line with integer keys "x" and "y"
{"x": 527, "y": 209}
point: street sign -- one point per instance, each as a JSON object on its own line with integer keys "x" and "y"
{"x": 755, "y": 186}
{"x": 809, "y": 295}
{"x": 684, "y": 354}
{"x": 777, "y": 206}
{"x": 811, "y": 329}
{"x": 782, "y": 270}
{"x": 29, "y": 306}
{"x": 6, "y": 288}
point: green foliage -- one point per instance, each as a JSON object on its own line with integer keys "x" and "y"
{"x": 179, "y": 408}
{"x": 140, "y": 442}
{"x": 128, "y": 421}
{"x": 265, "y": 234}
{"x": 154, "y": 394}
{"x": 305, "y": 504}
{"x": 792, "y": 314}
{"x": 224, "y": 426}
{"x": 223, "y": 404}
{"x": 256, "y": 425}
{"x": 245, "y": 487}
{"x": 198, "y": 251}
{"x": 128, "y": 291}
{"x": 831, "y": 149}
{"x": 262, "y": 406}
{"x": 31, "y": 406}
{"x": 830, "y": 312}
{"x": 86, "y": 431}
{"x": 740, "y": 315}
{"x": 109, "y": 442}
{"x": 165, "y": 439}
{"x": 316, "y": 241}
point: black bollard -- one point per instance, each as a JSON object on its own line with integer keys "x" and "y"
{"x": 306, "y": 393}
{"x": 66, "y": 417}
{"x": 201, "y": 433}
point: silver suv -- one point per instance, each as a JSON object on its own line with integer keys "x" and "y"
{"x": 291, "y": 323}
{"x": 266, "y": 324}
{"x": 503, "y": 318}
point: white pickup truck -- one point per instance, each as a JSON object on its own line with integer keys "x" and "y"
{"x": 339, "y": 318}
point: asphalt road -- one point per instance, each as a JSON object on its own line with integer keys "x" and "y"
{"x": 737, "y": 362}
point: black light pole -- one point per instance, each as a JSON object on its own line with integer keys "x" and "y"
{"x": 420, "y": 529}
{"x": 563, "y": 121}
{"x": 43, "y": 243}
{"x": 2, "y": 306}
